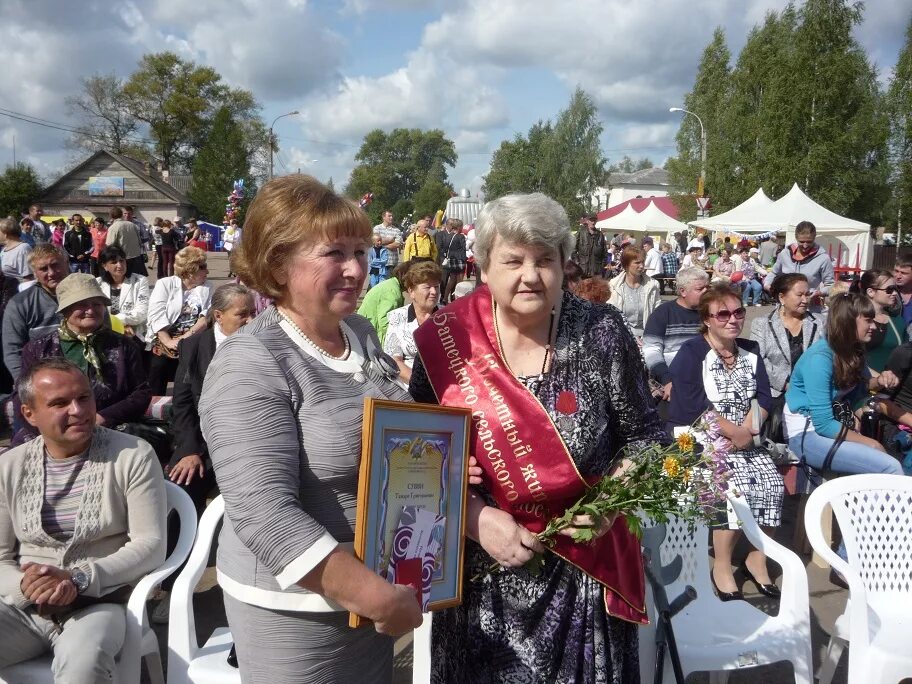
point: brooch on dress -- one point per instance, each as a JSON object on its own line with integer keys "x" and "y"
{"x": 381, "y": 363}
{"x": 566, "y": 406}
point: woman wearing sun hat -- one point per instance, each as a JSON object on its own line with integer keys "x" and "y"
{"x": 111, "y": 361}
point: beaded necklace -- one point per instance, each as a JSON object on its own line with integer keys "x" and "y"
{"x": 294, "y": 326}
{"x": 541, "y": 375}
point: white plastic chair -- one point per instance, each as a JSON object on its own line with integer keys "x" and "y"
{"x": 140, "y": 640}
{"x": 717, "y": 637}
{"x": 875, "y": 516}
{"x": 187, "y": 662}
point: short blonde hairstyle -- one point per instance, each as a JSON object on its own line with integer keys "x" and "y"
{"x": 10, "y": 228}
{"x": 286, "y": 213}
{"x": 187, "y": 262}
{"x": 44, "y": 250}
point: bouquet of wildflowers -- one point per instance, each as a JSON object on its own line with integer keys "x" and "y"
{"x": 686, "y": 479}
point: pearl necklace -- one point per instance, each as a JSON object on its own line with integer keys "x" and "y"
{"x": 294, "y": 326}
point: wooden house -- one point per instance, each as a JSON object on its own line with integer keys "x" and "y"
{"x": 106, "y": 180}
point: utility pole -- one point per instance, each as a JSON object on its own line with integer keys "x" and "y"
{"x": 701, "y": 187}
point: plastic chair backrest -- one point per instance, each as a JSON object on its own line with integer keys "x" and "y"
{"x": 691, "y": 543}
{"x": 874, "y": 512}
{"x": 179, "y": 502}
{"x": 182, "y": 644}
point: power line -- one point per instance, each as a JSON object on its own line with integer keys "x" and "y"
{"x": 37, "y": 121}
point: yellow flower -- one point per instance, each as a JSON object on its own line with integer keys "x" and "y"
{"x": 671, "y": 466}
{"x": 685, "y": 442}
{"x": 685, "y": 476}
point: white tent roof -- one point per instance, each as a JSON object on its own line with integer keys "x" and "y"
{"x": 628, "y": 219}
{"x": 787, "y": 212}
{"x": 651, "y": 220}
{"x": 741, "y": 218}
{"x": 654, "y": 219}
{"x": 848, "y": 241}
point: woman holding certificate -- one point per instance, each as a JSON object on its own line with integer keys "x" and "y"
{"x": 558, "y": 388}
{"x": 282, "y": 418}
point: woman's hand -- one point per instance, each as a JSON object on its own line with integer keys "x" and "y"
{"x": 505, "y": 540}
{"x": 475, "y": 472}
{"x": 401, "y": 612}
{"x": 186, "y": 469}
{"x": 741, "y": 436}
{"x": 886, "y": 380}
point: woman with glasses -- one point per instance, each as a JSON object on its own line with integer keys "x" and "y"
{"x": 889, "y": 331}
{"x": 177, "y": 309}
{"x": 717, "y": 370}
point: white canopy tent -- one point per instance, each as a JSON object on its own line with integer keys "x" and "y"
{"x": 848, "y": 241}
{"x": 651, "y": 221}
{"x": 742, "y": 218}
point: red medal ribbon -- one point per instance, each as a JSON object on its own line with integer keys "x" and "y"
{"x": 531, "y": 472}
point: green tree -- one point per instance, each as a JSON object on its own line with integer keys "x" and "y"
{"x": 840, "y": 122}
{"x": 564, "y": 160}
{"x": 177, "y": 100}
{"x": 628, "y": 165}
{"x": 19, "y": 187}
{"x": 224, "y": 159}
{"x": 706, "y": 100}
{"x": 899, "y": 106}
{"x": 755, "y": 118}
{"x": 394, "y": 166}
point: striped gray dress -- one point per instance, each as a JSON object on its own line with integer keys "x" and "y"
{"x": 283, "y": 426}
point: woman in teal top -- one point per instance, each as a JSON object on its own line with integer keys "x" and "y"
{"x": 834, "y": 369}
{"x": 890, "y": 331}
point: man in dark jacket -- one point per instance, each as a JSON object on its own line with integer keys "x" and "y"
{"x": 590, "y": 248}
{"x": 78, "y": 245}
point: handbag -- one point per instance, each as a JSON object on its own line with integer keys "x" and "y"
{"x": 842, "y": 411}
{"x": 450, "y": 263}
{"x": 160, "y": 349}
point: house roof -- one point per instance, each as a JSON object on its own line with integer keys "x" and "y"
{"x": 134, "y": 166}
{"x": 652, "y": 176}
{"x": 638, "y": 204}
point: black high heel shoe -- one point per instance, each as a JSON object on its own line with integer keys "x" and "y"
{"x": 770, "y": 590}
{"x": 725, "y": 595}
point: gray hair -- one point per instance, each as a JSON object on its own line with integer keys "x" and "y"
{"x": 26, "y": 383}
{"x": 533, "y": 219}
{"x": 224, "y": 296}
{"x": 688, "y": 275}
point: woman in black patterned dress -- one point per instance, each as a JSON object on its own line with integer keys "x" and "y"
{"x": 718, "y": 370}
{"x": 577, "y": 362}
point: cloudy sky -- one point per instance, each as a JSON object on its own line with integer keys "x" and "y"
{"x": 482, "y": 70}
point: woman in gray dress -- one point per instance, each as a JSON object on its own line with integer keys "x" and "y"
{"x": 281, "y": 412}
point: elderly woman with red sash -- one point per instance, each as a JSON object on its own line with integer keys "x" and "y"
{"x": 557, "y": 388}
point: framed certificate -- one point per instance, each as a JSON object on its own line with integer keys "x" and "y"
{"x": 412, "y": 497}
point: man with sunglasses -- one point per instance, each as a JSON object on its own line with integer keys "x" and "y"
{"x": 807, "y": 258}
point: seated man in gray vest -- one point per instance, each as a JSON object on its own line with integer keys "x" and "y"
{"x": 82, "y": 518}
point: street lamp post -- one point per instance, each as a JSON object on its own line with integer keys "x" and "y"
{"x": 272, "y": 136}
{"x": 702, "y": 187}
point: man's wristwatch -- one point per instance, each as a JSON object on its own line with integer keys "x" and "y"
{"x": 80, "y": 580}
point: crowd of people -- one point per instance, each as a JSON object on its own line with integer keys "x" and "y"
{"x": 268, "y": 376}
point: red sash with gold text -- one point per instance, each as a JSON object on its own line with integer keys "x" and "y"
{"x": 527, "y": 465}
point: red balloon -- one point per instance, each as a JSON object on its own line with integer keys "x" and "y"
{"x": 737, "y": 276}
